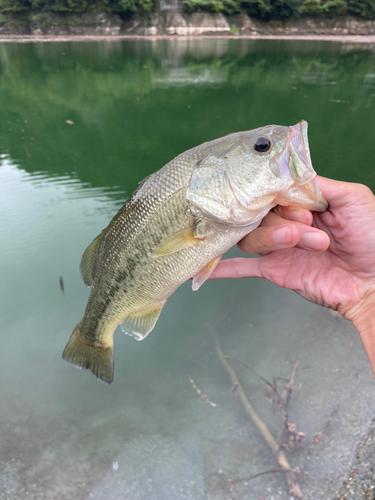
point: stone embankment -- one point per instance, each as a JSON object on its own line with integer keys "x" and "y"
{"x": 179, "y": 24}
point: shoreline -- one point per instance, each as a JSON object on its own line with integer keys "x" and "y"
{"x": 360, "y": 39}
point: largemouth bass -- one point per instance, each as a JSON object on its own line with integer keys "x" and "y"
{"x": 178, "y": 224}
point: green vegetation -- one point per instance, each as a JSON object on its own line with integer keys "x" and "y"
{"x": 42, "y": 18}
{"x": 229, "y": 7}
{"x": 271, "y": 9}
{"x": 48, "y": 13}
{"x": 362, "y": 8}
{"x": 331, "y": 8}
{"x": 76, "y": 6}
{"x": 285, "y": 9}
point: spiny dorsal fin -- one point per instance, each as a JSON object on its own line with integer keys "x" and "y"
{"x": 140, "y": 325}
{"x": 86, "y": 266}
{"x": 204, "y": 273}
{"x": 178, "y": 241}
{"x": 145, "y": 179}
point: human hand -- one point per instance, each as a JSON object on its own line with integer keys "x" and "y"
{"x": 328, "y": 258}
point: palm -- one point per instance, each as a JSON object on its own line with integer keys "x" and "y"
{"x": 343, "y": 274}
{"x": 321, "y": 278}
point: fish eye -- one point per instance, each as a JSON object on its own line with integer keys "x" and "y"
{"x": 262, "y": 145}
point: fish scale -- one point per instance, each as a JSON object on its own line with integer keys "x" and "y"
{"x": 177, "y": 225}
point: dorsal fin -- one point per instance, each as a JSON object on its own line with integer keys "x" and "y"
{"x": 86, "y": 266}
{"x": 145, "y": 179}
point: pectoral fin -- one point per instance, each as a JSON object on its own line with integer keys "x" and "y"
{"x": 87, "y": 265}
{"x": 140, "y": 325}
{"x": 205, "y": 273}
{"x": 178, "y": 241}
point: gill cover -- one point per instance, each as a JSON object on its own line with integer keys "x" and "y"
{"x": 211, "y": 192}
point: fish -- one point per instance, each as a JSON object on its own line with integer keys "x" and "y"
{"x": 177, "y": 225}
{"x": 61, "y": 281}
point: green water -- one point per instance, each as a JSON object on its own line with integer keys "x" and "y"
{"x": 134, "y": 106}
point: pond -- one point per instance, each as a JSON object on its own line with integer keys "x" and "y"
{"x": 80, "y": 125}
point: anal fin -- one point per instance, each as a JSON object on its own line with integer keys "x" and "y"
{"x": 139, "y": 325}
{"x": 204, "y": 273}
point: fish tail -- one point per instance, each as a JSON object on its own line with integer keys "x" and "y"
{"x": 84, "y": 354}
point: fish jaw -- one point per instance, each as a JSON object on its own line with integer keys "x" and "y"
{"x": 307, "y": 196}
{"x": 294, "y": 166}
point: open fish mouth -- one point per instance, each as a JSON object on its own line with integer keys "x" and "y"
{"x": 296, "y": 170}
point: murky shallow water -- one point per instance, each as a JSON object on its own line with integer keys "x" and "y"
{"x": 136, "y": 105}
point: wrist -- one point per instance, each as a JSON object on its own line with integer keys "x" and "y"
{"x": 363, "y": 315}
{"x": 363, "y": 319}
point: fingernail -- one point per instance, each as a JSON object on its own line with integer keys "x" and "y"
{"x": 312, "y": 241}
{"x": 282, "y": 236}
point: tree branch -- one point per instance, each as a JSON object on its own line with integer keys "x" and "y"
{"x": 294, "y": 487}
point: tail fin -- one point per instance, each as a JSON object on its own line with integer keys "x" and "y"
{"x": 83, "y": 355}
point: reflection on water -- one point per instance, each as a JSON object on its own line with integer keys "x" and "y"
{"x": 134, "y": 106}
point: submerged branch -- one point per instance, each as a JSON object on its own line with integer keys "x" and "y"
{"x": 316, "y": 439}
{"x": 273, "y": 387}
{"x": 294, "y": 488}
{"x": 248, "y": 365}
{"x": 289, "y": 387}
{"x": 274, "y": 471}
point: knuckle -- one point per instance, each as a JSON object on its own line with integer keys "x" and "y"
{"x": 256, "y": 242}
{"x": 244, "y": 245}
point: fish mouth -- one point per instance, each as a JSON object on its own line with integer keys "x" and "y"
{"x": 296, "y": 170}
{"x": 307, "y": 196}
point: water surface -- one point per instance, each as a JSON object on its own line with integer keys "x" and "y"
{"x": 134, "y": 106}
